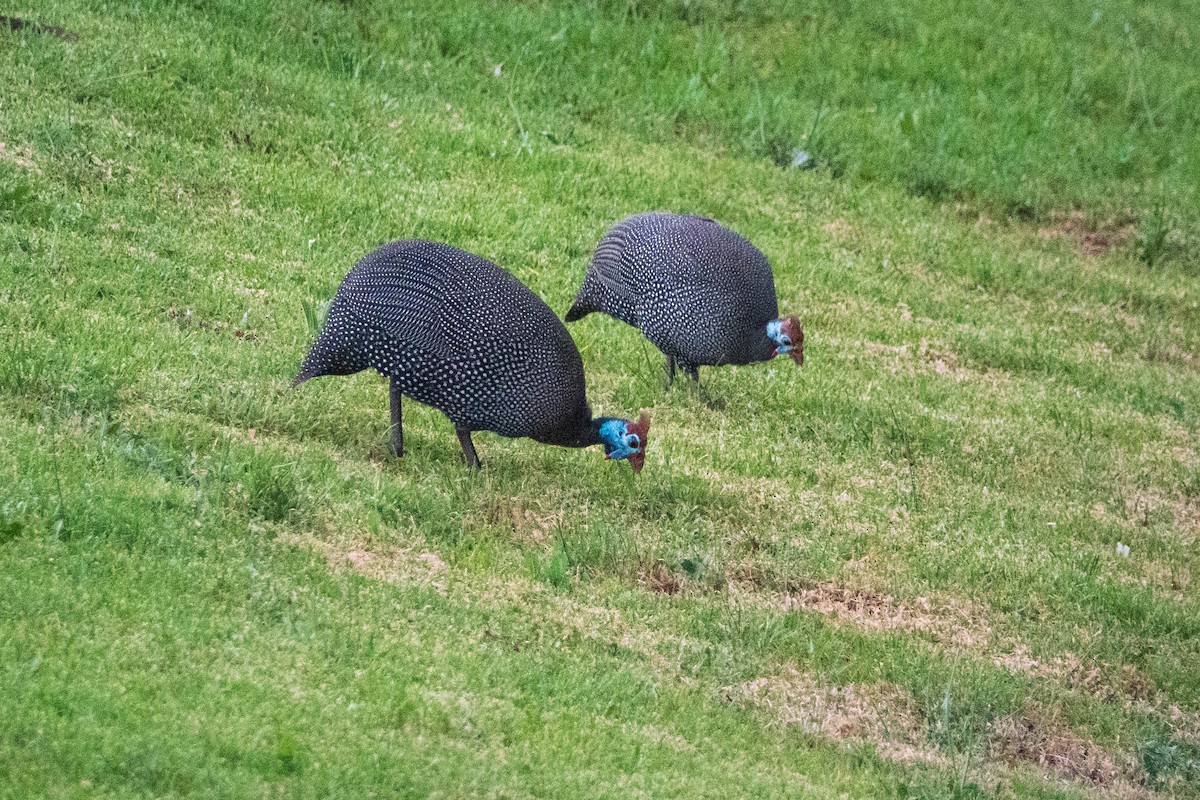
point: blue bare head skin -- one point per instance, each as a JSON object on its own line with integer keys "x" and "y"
{"x": 623, "y": 439}
{"x": 788, "y": 337}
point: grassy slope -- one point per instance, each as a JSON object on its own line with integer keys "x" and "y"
{"x": 210, "y": 582}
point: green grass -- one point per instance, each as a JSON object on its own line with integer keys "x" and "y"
{"x": 893, "y": 573}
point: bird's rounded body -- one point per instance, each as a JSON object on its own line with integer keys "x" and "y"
{"x": 456, "y": 332}
{"x": 698, "y": 291}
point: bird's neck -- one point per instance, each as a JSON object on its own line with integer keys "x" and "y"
{"x": 592, "y": 435}
{"x": 583, "y": 432}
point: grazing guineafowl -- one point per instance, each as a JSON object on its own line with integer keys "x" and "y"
{"x": 458, "y": 333}
{"x": 699, "y": 292}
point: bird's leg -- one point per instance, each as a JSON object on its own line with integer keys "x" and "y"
{"x": 670, "y": 370}
{"x": 468, "y": 447}
{"x": 397, "y": 429}
{"x": 693, "y": 372}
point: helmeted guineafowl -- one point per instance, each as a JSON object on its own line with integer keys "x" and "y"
{"x": 699, "y": 292}
{"x": 457, "y": 332}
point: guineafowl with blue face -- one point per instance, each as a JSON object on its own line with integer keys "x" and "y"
{"x": 458, "y": 333}
{"x": 699, "y": 292}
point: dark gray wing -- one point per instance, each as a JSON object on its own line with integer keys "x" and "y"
{"x": 400, "y": 290}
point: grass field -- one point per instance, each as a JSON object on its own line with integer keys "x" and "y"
{"x": 897, "y": 572}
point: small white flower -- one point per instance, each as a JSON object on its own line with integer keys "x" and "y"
{"x": 1122, "y": 549}
{"x": 496, "y": 70}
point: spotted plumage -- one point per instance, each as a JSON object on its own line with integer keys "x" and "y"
{"x": 458, "y": 333}
{"x": 699, "y": 292}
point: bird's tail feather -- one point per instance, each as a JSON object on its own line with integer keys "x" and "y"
{"x": 579, "y": 310}
{"x": 308, "y": 371}
{"x": 321, "y": 360}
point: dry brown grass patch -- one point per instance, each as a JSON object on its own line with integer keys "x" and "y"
{"x": 1170, "y": 577}
{"x": 21, "y": 156}
{"x": 659, "y": 578}
{"x": 1094, "y": 238}
{"x": 389, "y": 563}
{"x": 953, "y": 621}
{"x": 1144, "y": 507}
{"x": 932, "y": 357}
{"x": 1185, "y": 725}
{"x": 606, "y": 624}
{"x": 839, "y": 229}
{"x": 1125, "y": 683}
{"x": 1059, "y": 752}
{"x": 1100, "y": 680}
{"x": 526, "y": 523}
{"x": 883, "y": 715}
{"x": 1173, "y": 355}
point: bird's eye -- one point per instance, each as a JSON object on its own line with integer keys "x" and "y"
{"x": 785, "y": 340}
{"x": 633, "y": 440}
